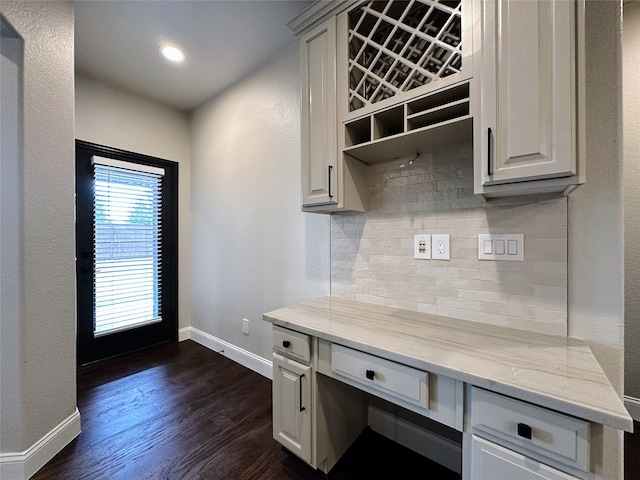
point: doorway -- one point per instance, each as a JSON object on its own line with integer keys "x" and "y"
{"x": 126, "y": 251}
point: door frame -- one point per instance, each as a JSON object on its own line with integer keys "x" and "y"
{"x": 144, "y": 336}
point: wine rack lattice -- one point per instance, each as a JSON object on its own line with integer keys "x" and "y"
{"x": 396, "y": 46}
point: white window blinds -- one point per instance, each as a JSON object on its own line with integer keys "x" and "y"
{"x": 127, "y": 245}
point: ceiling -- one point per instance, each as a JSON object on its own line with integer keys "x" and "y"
{"x": 223, "y": 40}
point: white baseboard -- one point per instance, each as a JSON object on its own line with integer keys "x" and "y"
{"x": 244, "y": 357}
{"x": 23, "y": 465}
{"x": 633, "y": 406}
{"x": 428, "y": 444}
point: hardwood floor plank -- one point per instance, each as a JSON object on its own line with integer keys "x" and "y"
{"x": 632, "y": 453}
{"x": 183, "y": 412}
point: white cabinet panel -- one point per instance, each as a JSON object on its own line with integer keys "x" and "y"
{"x": 528, "y": 102}
{"x": 493, "y": 462}
{"x": 291, "y": 405}
{"x": 319, "y": 121}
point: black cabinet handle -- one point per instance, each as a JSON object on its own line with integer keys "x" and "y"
{"x": 301, "y": 407}
{"x": 489, "y": 165}
{"x": 329, "y": 185}
{"x": 524, "y": 430}
{"x": 370, "y": 374}
{"x": 286, "y": 343}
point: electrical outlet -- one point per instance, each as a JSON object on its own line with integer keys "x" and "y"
{"x": 422, "y": 247}
{"x": 440, "y": 247}
{"x": 245, "y": 326}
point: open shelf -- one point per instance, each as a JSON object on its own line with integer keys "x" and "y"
{"x": 423, "y": 124}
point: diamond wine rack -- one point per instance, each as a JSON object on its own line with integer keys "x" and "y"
{"x": 396, "y": 46}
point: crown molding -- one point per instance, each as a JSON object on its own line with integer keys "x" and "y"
{"x": 317, "y": 12}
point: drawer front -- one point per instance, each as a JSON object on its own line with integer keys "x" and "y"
{"x": 406, "y": 383}
{"x": 292, "y": 344}
{"x": 491, "y": 461}
{"x": 539, "y": 431}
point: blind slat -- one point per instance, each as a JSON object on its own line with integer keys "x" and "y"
{"x": 127, "y": 247}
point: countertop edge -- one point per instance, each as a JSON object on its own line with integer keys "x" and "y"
{"x": 595, "y": 415}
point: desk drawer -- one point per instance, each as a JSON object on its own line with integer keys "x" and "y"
{"x": 538, "y": 430}
{"x": 292, "y": 344}
{"x": 406, "y": 383}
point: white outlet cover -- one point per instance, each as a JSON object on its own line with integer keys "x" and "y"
{"x": 245, "y": 326}
{"x": 422, "y": 247}
{"x": 440, "y": 247}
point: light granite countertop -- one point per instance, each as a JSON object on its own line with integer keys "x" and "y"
{"x": 559, "y": 373}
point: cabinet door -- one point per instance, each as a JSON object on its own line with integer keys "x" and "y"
{"x": 527, "y": 108}
{"x": 292, "y": 406}
{"x": 493, "y": 462}
{"x": 319, "y": 124}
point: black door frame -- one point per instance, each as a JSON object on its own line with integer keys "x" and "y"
{"x": 89, "y": 348}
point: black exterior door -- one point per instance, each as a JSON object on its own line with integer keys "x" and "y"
{"x": 126, "y": 251}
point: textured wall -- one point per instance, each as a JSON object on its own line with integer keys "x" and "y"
{"x": 117, "y": 118}
{"x": 372, "y": 253}
{"x": 596, "y": 243}
{"x": 631, "y": 115}
{"x": 253, "y": 249}
{"x": 46, "y": 318}
{"x": 11, "y": 208}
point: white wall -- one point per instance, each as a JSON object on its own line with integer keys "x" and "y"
{"x": 253, "y": 249}
{"x": 596, "y": 243}
{"x": 631, "y": 116}
{"x": 42, "y": 321}
{"x": 10, "y": 237}
{"x": 116, "y": 118}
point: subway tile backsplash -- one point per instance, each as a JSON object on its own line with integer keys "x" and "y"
{"x": 372, "y": 253}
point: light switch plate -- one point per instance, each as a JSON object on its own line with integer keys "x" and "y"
{"x": 422, "y": 247}
{"x": 503, "y": 247}
{"x": 440, "y": 247}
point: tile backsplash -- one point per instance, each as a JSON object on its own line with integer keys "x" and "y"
{"x": 372, "y": 253}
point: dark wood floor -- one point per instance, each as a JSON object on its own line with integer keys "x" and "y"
{"x": 183, "y": 412}
{"x": 632, "y": 453}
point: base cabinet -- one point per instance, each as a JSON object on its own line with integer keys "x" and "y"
{"x": 493, "y": 462}
{"x": 292, "y": 405}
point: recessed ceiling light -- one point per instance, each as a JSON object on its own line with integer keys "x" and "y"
{"x": 172, "y": 53}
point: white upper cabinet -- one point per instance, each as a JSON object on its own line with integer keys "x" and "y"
{"x": 528, "y": 97}
{"x": 319, "y": 149}
{"x": 331, "y": 182}
{"x": 385, "y": 80}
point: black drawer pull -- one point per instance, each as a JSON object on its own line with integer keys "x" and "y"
{"x": 524, "y": 430}
{"x": 489, "y": 169}
{"x": 302, "y": 409}
{"x": 286, "y": 343}
{"x": 370, "y": 374}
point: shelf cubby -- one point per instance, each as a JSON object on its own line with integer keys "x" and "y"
{"x": 421, "y": 124}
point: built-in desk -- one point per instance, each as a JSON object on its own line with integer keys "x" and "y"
{"x": 528, "y": 405}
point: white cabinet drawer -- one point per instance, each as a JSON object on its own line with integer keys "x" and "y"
{"x": 493, "y": 462}
{"x": 292, "y": 344}
{"x": 406, "y": 383}
{"x": 537, "y": 430}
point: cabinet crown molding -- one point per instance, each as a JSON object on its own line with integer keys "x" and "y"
{"x": 316, "y": 13}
